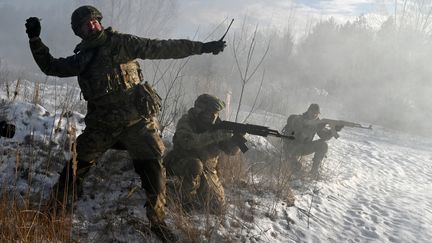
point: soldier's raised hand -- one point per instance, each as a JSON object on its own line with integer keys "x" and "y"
{"x": 213, "y": 47}
{"x": 33, "y": 27}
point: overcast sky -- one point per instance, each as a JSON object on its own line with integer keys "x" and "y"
{"x": 280, "y": 14}
{"x": 195, "y": 19}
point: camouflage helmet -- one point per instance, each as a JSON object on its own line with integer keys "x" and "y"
{"x": 209, "y": 102}
{"x": 83, "y": 14}
{"x": 314, "y": 108}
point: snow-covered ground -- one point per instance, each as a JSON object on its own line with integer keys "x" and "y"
{"x": 375, "y": 186}
{"x": 378, "y": 187}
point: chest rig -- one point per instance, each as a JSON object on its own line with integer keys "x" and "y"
{"x": 110, "y": 72}
{"x": 112, "y": 81}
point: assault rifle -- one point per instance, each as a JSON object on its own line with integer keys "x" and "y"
{"x": 337, "y": 123}
{"x": 7, "y": 130}
{"x": 240, "y": 128}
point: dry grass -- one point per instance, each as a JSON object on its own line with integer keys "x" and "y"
{"x": 23, "y": 223}
{"x": 233, "y": 170}
{"x": 21, "y": 218}
{"x": 193, "y": 229}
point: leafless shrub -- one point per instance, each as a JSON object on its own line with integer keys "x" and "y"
{"x": 168, "y": 80}
{"x": 24, "y": 217}
{"x": 245, "y": 46}
{"x": 36, "y": 95}
{"x": 233, "y": 169}
{"x": 17, "y": 89}
{"x": 4, "y": 77}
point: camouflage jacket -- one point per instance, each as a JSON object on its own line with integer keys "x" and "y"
{"x": 107, "y": 73}
{"x": 189, "y": 142}
{"x": 304, "y": 132}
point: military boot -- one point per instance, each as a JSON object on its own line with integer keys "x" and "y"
{"x": 63, "y": 189}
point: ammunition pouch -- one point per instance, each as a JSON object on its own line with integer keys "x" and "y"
{"x": 147, "y": 101}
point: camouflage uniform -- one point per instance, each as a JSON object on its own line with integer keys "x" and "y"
{"x": 194, "y": 159}
{"x": 109, "y": 78}
{"x": 303, "y": 144}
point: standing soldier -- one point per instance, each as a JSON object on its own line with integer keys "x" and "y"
{"x": 304, "y": 131}
{"x": 120, "y": 109}
{"x": 195, "y": 154}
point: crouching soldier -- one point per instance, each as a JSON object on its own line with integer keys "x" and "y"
{"x": 305, "y": 127}
{"x": 195, "y": 155}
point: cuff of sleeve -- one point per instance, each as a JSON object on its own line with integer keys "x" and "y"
{"x": 34, "y": 39}
{"x": 36, "y": 44}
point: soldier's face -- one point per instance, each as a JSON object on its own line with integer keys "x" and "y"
{"x": 313, "y": 115}
{"x": 209, "y": 117}
{"x": 89, "y": 28}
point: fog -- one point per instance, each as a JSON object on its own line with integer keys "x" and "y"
{"x": 353, "y": 70}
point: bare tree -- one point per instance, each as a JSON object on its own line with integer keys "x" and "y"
{"x": 246, "y": 67}
{"x": 169, "y": 82}
{"x": 4, "y": 76}
{"x": 416, "y": 14}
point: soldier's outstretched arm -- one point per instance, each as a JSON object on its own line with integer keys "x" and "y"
{"x": 61, "y": 67}
{"x": 143, "y": 48}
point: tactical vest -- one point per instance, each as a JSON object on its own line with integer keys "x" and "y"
{"x": 109, "y": 71}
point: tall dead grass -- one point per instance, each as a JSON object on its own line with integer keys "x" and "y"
{"x": 22, "y": 219}
{"x": 23, "y": 223}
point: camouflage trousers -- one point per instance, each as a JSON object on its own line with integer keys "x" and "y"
{"x": 145, "y": 146}
{"x": 199, "y": 187}
{"x": 318, "y": 147}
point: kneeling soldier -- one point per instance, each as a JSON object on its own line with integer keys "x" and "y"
{"x": 195, "y": 156}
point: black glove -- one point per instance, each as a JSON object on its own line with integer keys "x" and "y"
{"x": 213, "y": 47}
{"x": 33, "y": 27}
{"x": 338, "y": 128}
